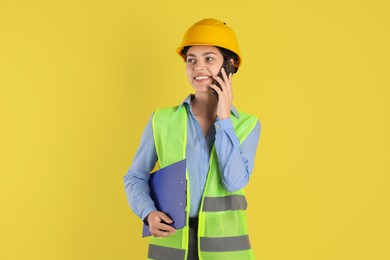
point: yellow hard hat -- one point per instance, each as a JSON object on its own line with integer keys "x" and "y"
{"x": 211, "y": 32}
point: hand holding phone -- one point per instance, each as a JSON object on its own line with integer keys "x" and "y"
{"x": 224, "y": 93}
{"x": 229, "y": 68}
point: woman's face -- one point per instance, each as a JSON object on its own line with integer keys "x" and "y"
{"x": 202, "y": 62}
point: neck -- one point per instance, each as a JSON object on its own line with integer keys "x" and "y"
{"x": 205, "y": 104}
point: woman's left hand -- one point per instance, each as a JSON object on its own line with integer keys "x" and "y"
{"x": 225, "y": 95}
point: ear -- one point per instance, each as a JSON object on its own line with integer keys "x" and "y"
{"x": 232, "y": 61}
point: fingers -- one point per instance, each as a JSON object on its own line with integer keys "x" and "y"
{"x": 225, "y": 95}
{"x": 158, "y": 216}
{"x": 164, "y": 217}
{"x": 225, "y": 81}
{"x": 230, "y": 84}
{"x": 161, "y": 230}
{"x": 216, "y": 88}
{"x": 225, "y": 77}
{"x": 228, "y": 81}
{"x": 156, "y": 225}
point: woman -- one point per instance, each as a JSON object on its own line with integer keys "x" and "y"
{"x": 219, "y": 145}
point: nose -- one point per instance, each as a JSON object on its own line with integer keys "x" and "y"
{"x": 199, "y": 66}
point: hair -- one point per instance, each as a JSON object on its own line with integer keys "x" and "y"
{"x": 227, "y": 55}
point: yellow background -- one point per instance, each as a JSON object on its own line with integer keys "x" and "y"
{"x": 79, "y": 80}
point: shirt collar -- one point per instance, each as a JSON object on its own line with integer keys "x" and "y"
{"x": 187, "y": 101}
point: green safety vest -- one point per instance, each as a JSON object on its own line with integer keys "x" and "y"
{"x": 222, "y": 228}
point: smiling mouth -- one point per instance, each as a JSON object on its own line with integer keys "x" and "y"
{"x": 202, "y": 77}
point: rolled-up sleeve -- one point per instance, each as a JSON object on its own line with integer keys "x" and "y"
{"x": 235, "y": 160}
{"x": 137, "y": 178}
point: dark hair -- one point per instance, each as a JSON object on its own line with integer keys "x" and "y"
{"x": 227, "y": 55}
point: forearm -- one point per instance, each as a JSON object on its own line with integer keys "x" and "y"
{"x": 137, "y": 191}
{"x": 137, "y": 178}
{"x": 235, "y": 160}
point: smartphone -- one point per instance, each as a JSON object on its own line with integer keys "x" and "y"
{"x": 229, "y": 68}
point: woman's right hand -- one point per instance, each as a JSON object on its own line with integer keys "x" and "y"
{"x": 157, "y": 226}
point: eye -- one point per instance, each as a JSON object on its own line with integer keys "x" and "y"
{"x": 209, "y": 58}
{"x": 190, "y": 60}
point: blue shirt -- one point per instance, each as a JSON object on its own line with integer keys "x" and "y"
{"x": 235, "y": 160}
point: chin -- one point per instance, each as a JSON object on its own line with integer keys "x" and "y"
{"x": 202, "y": 89}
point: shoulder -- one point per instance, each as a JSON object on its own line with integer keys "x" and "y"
{"x": 166, "y": 111}
{"x": 244, "y": 117}
{"x": 169, "y": 116}
{"x": 245, "y": 122}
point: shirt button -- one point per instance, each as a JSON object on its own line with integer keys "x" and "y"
{"x": 217, "y": 126}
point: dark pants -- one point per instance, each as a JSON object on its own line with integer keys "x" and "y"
{"x": 193, "y": 240}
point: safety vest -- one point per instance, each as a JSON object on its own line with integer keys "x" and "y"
{"x": 222, "y": 228}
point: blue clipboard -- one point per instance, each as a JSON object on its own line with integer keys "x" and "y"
{"x": 168, "y": 191}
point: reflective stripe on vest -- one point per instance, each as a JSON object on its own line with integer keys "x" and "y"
{"x": 231, "y": 202}
{"x": 222, "y": 230}
{"x": 224, "y": 244}
{"x": 162, "y": 252}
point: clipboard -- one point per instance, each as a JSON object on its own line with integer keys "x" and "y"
{"x": 168, "y": 188}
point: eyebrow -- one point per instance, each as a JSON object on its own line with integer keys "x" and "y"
{"x": 204, "y": 54}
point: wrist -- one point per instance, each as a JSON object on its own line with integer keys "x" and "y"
{"x": 223, "y": 125}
